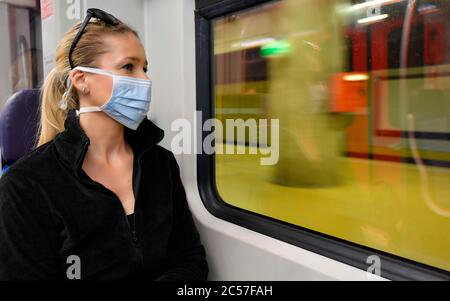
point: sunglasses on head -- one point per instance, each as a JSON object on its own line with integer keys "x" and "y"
{"x": 91, "y": 13}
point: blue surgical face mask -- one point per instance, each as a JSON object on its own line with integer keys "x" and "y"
{"x": 129, "y": 101}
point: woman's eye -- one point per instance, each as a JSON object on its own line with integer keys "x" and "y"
{"x": 128, "y": 67}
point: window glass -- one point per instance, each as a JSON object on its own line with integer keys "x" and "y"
{"x": 21, "y": 53}
{"x": 361, "y": 90}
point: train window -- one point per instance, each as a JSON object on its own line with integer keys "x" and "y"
{"x": 361, "y": 90}
{"x": 21, "y": 60}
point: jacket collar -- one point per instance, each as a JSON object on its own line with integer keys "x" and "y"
{"x": 71, "y": 144}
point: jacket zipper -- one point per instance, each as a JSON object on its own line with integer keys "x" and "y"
{"x": 133, "y": 229}
{"x": 135, "y": 187}
{"x": 136, "y": 190}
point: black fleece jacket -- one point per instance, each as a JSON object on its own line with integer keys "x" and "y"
{"x": 51, "y": 209}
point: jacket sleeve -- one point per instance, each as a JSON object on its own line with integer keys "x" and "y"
{"x": 27, "y": 245}
{"x": 186, "y": 255}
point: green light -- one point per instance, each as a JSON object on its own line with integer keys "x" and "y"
{"x": 276, "y": 48}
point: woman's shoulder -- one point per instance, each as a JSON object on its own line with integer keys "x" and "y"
{"x": 162, "y": 152}
{"x": 165, "y": 154}
{"x": 22, "y": 184}
{"x": 163, "y": 161}
{"x": 29, "y": 168}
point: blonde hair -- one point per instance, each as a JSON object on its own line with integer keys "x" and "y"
{"x": 89, "y": 47}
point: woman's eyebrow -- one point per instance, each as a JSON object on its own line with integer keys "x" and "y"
{"x": 133, "y": 58}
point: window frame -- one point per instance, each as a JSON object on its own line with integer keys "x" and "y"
{"x": 392, "y": 266}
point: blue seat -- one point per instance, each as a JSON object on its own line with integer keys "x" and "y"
{"x": 19, "y": 126}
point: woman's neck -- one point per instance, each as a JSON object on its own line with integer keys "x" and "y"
{"x": 107, "y": 141}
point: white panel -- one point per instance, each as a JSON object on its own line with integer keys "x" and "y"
{"x": 164, "y": 26}
{"x": 129, "y": 12}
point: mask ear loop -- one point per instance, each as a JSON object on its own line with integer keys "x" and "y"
{"x": 101, "y": 72}
{"x": 64, "y": 100}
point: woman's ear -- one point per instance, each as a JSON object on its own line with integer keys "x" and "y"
{"x": 78, "y": 80}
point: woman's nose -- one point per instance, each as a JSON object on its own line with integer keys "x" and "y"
{"x": 143, "y": 75}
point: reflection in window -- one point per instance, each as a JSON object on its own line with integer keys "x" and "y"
{"x": 21, "y": 60}
{"x": 362, "y": 93}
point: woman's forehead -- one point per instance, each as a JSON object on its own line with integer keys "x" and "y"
{"x": 124, "y": 46}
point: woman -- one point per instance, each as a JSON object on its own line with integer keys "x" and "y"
{"x": 97, "y": 199}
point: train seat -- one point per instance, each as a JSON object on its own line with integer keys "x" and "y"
{"x": 18, "y": 126}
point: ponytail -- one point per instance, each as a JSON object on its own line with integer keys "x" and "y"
{"x": 52, "y": 117}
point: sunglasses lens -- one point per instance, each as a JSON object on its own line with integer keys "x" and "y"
{"x": 105, "y": 17}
